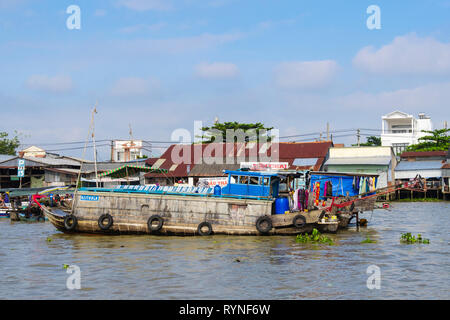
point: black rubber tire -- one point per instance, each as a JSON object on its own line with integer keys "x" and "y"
{"x": 102, "y": 218}
{"x": 201, "y": 226}
{"x": 352, "y": 206}
{"x": 299, "y": 221}
{"x": 322, "y": 214}
{"x": 67, "y": 225}
{"x": 264, "y": 224}
{"x": 156, "y": 228}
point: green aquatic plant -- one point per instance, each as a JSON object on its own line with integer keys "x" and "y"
{"x": 65, "y": 266}
{"x": 409, "y": 238}
{"x": 315, "y": 237}
{"x": 49, "y": 239}
{"x": 368, "y": 240}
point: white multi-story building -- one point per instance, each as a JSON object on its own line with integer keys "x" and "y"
{"x": 399, "y": 130}
{"x": 126, "y": 150}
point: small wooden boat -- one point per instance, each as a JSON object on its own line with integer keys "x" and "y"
{"x": 237, "y": 209}
{"x": 27, "y": 218}
{"x": 4, "y": 213}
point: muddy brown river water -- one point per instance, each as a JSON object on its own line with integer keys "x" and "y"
{"x": 228, "y": 267}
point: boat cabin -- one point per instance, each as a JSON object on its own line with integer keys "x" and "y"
{"x": 251, "y": 184}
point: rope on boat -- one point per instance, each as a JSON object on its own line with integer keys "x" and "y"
{"x": 389, "y": 190}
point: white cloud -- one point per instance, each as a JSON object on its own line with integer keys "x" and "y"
{"x": 219, "y": 3}
{"x": 434, "y": 96}
{"x": 143, "y": 27}
{"x": 305, "y": 74}
{"x": 217, "y": 70}
{"x": 146, "y": 5}
{"x": 179, "y": 45}
{"x": 274, "y": 23}
{"x": 5, "y": 4}
{"x": 134, "y": 86}
{"x": 56, "y": 84}
{"x": 100, "y": 13}
{"x": 406, "y": 55}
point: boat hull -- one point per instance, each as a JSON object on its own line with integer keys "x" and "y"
{"x": 181, "y": 214}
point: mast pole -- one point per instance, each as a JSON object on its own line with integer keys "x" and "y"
{"x": 93, "y": 141}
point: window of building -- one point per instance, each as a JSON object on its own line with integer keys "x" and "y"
{"x": 400, "y": 128}
{"x": 399, "y": 147}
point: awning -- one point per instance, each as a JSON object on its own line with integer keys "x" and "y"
{"x": 128, "y": 170}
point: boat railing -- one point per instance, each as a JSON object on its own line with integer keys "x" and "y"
{"x": 172, "y": 190}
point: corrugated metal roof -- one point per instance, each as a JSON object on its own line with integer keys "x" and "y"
{"x": 211, "y": 170}
{"x": 101, "y": 166}
{"x": 5, "y": 157}
{"x": 419, "y": 165}
{"x": 304, "y": 161}
{"x": 54, "y": 161}
{"x": 379, "y": 161}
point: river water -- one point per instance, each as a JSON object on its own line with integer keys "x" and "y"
{"x": 230, "y": 267}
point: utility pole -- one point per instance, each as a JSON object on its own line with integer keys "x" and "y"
{"x": 112, "y": 150}
{"x": 328, "y": 131}
{"x": 358, "y": 136}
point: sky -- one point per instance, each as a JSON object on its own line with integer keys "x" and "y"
{"x": 158, "y": 66}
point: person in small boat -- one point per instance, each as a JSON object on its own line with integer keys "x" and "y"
{"x": 18, "y": 203}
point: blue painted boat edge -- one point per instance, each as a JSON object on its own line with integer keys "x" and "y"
{"x": 208, "y": 195}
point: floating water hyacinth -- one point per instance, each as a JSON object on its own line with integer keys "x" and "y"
{"x": 368, "y": 240}
{"x": 315, "y": 237}
{"x": 409, "y": 238}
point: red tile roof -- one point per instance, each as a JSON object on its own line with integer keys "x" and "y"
{"x": 188, "y": 155}
{"x": 414, "y": 154}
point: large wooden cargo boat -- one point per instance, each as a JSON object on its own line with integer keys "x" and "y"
{"x": 237, "y": 209}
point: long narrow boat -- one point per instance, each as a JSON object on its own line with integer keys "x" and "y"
{"x": 237, "y": 209}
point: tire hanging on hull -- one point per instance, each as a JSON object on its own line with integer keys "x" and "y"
{"x": 264, "y": 224}
{"x": 102, "y": 218}
{"x": 158, "y": 227}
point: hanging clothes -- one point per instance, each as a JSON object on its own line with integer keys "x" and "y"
{"x": 329, "y": 192}
{"x": 301, "y": 199}
{"x": 317, "y": 194}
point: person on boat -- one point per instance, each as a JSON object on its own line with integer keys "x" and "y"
{"x": 56, "y": 199}
{"x": 36, "y": 197}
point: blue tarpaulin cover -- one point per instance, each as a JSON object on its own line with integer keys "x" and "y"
{"x": 341, "y": 184}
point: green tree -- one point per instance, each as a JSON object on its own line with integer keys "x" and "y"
{"x": 8, "y": 146}
{"x": 436, "y": 140}
{"x": 251, "y": 130}
{"x": 371, "y": 141}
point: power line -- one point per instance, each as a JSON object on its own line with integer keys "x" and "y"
{"x": 79, "y": 148}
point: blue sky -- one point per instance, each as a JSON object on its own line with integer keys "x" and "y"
{"x": 161, "y": 65}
